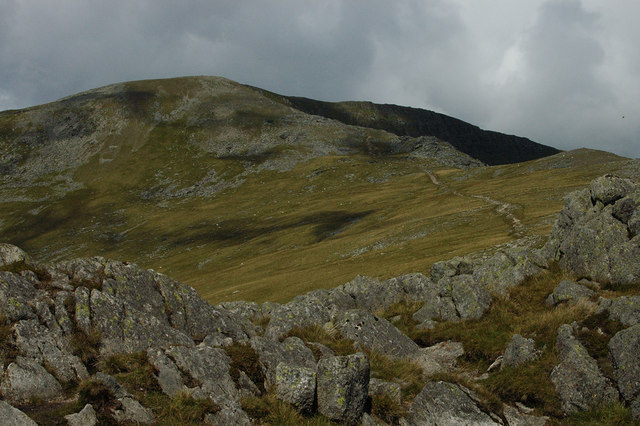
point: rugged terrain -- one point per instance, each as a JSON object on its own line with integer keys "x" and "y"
{"x": 521, "y": 336}
{"x": 243, "y": 193}
{"x": 343, "y": 263}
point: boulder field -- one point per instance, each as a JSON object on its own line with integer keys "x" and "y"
{"x": 62, "y": 326}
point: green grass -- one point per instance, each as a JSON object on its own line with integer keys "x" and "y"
{"x": 611, "y": 414}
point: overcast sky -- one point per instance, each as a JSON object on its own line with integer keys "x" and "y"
{"x": 562, "y": 72}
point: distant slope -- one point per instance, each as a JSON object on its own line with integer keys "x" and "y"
{"x": 490, "y": 147}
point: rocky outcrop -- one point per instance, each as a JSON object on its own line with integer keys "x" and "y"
{"x": 595, "y": 236}
{"x": 375, "y": 333}
{"x": 189, "y": 345}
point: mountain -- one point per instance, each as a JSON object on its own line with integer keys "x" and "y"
{"x": 246, "y": 194}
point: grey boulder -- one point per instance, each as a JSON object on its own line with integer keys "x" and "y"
{"x": 568, "y": 291}
{"x": 625, "y": 309}
{"x": 624, "y": 348}
{"x": 296, "y": 386}
{"x": 85, "y": 417}
{"x": 519, "y": 351}
{"x": 343, "y": 384}
{"x": 11, "y": 416}
{"x": 375, "y": 333}
{"x": 577, "y": 379}
{"x": 443, "y": 403}
{"x": 12, "y": 257}
{"x": 26, "y": 379}
{"x": 291, "y": 351}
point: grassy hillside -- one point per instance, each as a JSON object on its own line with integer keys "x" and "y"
{"x": 236, "y": 193}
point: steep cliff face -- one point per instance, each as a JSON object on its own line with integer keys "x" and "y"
{"x": 122, "y": 343}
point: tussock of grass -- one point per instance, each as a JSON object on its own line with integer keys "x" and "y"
{"x": 331, "y": 338}
{"x": 269, "y": 410}
{"x": 87, "y": 347}
{"x": 16, "y": 267}
{"x": 611, "y": 414}
{"x": 138, "y": 376}
{"x": 244, "y": 358}
{"x": 387, "y": 409}
{"x": 133, "y": 371}
{"x": 403, "y": 371}
{"x": 183, "y": 409}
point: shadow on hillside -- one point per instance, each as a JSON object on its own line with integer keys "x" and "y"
{"x": 238, "y": 231}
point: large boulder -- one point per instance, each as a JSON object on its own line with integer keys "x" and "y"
{"x": 508, "y": 268}
{"x": 519, "y": 351}
{"x": 209, "y": 372}
{"x": 16, "y": 295}
{"x": 343, "y": 383}
{"x": 608, "y": 189}
{"x": 624, "y": 348}
{"x": 443, "y": 403}
{"x": 577, "y": 379}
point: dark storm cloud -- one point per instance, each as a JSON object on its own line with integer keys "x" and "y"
{"x": 562, "y": 72}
